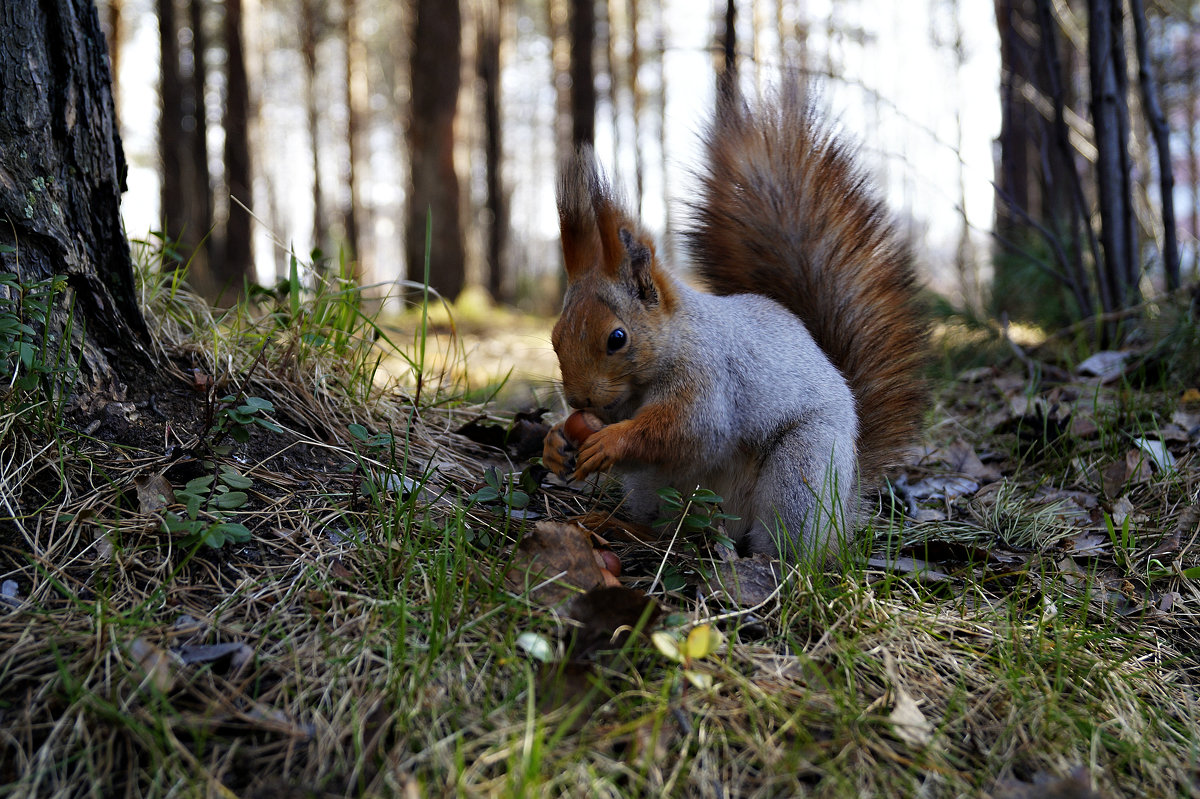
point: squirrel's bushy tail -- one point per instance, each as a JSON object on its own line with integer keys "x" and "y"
{"x": 785, "y": 211}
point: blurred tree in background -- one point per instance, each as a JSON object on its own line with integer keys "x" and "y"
{"x": 345, "y": 127}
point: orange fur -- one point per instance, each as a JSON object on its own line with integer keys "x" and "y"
{"x": 785, "y": 212}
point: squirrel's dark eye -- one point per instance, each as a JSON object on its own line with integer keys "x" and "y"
{"x": 616, "y": 340}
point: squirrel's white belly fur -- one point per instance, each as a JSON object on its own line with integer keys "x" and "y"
{"x": 780, "y": 453}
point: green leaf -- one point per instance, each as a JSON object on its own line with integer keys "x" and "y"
{"x": 269, "y": 425}
{"x": 234, "y": 499}
{"x": 485, "y": 494}
{"x": 234, "y": 479}
{"x": 198, "y": 485}
{"x": 358, "y": 431}
{"x": 239, "y": 434}
{"x": 259, "y": 404}
{"x": 1192, "y": 574}
{"x": 233, "y": 531}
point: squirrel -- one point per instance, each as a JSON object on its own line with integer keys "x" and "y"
{"x": 785, "y": 383}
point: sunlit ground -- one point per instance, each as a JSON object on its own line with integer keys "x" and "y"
{"x": 479, "y": 351}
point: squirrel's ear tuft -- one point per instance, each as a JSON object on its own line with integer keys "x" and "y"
{"x": 577, "y": 181}
{"x": 640, "y": 256}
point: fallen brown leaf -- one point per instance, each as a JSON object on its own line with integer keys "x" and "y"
{"x": 554, "y": 562}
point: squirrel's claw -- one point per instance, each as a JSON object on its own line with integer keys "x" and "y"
{"x": 558, "y": 453}
{"x": 602, "y": 449}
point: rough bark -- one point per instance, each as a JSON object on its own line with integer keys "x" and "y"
{"x": 434, "y": 193}
{"x": 62, "y": 172}
{"x": 1110, "y": 121}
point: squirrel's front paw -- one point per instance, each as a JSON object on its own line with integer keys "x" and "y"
{"x": 558, "y": 453}
{"x": 602, "y": 449}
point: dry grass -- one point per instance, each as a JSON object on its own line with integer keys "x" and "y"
{"x": 378, "y": 646}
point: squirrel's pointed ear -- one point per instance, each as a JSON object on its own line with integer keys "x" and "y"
{"x": 577, "y": 179}
{"x": 640, "y": 256}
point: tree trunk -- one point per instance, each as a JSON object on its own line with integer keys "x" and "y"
{"x": 434, "y": 194}
{"x": 728, "y": 72}
{"x": 237, "y": 258}
{"x": 62, "y": 171}
{"x": 1110, "y": 120}
{"x": 488, "y": 54}
{"x": 357, "y": 100}
{"x": 310, "y": 31}
{"x": 583, "y": 79}
{"x": 637, "y": 95}
{"x": 1015, "y": 190}
{"x": 116, "y": 42}
{"x": 199, "y": 188}
{"x": 172, "y": 207}
{"x": 1162, "y": 143}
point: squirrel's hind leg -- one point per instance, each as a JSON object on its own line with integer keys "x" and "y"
{"x": 804, "y": 498}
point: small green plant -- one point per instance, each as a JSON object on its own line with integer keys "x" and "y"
{"x": 700, "y": 511}
{"x": 34, "y": 371}
{"x": 691, "y": 514}
{"x": 514, "y": 492}
{"x": 235, "y": 418}
{"x": 207, "y": 501}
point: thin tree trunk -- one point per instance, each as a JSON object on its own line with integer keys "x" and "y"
{"x": 637, "y": 95}
{"x": 612, "y": 13}
{"x": 170, "y": 124}
{"x": 115, "y": 44}
{"x": 199, "y": 178}
{"x": 434, "y": 196}
{"x": 728, "y": 74}
{"x": 1064, "y": 156}
{"x": 583, "y": 79}
{"x": 59, "y": 145}
{"x": 1162, "y": 138}
{"x": 1110, "y": 121}
{"x": 356, "y": 110}
{"x": 496, "y": 203}
{"x": 237, "y": 259}
{"x": 309, "y": 35}
{"x": 1190, "y": 98}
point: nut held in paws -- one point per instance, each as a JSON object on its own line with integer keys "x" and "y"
{"x": 580, "y": 425}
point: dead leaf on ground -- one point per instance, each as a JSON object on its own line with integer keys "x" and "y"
{"x": 158, "y": 665}
{"x": 237, "y": 653}
{"x": 908, "y": 722}
{"x": 607, "y": 616}
{"x": 747, "y": 581}
{"x": 1133, "y": 468}
{"x": 554, "y": 562}
{"x": 613, "y": 528}
{"x": 1088, "y": 543}
{"x": 939, "y": 487}
{"x": 1162, "y": 460}
{"x": 912, "y": 567}
{"x": 1123, "y": 509}
{"x": 154, "y": 492}
{"x": 1105, "y": 366}
{"x": 960, "y": 456}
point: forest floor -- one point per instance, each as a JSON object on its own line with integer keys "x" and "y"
{"x": 277, "y": 569}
